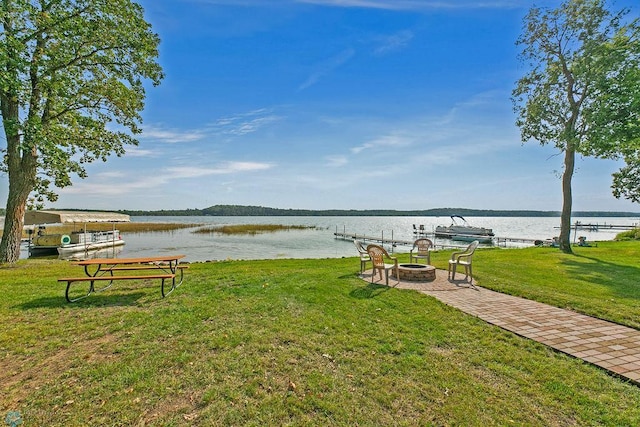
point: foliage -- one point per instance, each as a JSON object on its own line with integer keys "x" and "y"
{"x": 582, "y": 90}
{"x": 72, "y": 76}
{"x": 626, "y": 182}
{"x": 306, "y": 342}
{"x": 629, "y": 235}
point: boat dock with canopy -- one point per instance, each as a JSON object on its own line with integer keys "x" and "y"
{"x": 81, "y": 240}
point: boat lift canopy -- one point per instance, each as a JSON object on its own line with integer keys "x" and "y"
{"x": 71, "y": 217}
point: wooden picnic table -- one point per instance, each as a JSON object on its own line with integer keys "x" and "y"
{"x": 164, "y": 268}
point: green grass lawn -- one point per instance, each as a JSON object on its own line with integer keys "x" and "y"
{"x": 306, "y": 342}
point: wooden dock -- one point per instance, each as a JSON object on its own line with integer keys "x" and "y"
{"x": 391, "y": 241}
{"x": 379, "y": 240}
{"x": 598, "y": 227}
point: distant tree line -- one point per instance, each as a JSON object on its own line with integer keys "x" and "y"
{"x": 237, "y": 210}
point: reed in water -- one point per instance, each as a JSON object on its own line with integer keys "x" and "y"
{"x": 251, "y": 228}
{"x": 124, "y": 227}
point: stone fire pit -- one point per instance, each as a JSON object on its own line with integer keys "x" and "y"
{"x": 415, "y": 272}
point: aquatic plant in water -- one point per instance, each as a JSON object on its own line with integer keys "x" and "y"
{"x": 252, "y": 228}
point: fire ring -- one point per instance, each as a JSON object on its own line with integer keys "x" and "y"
{"x": 416, "y": 272}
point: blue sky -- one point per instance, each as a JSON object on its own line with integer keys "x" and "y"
{"x": 337, "y": 104}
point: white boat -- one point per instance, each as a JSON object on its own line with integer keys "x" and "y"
{"x": 461, "y": 230}
{"x": 81, "y": 240}
{"x": 110, "y": 252}
{"x": 85, "y": 241}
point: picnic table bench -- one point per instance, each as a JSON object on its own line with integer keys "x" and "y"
{"x": 164, "y": 268}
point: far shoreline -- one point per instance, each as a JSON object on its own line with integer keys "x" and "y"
{"x": 236, "y": 210}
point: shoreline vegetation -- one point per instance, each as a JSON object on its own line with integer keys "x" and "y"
{"x": 251, "y": 228}
{"x": 147, "y": 227}
{"x": 124, "y": 227}
{"x": 240, "y": 210}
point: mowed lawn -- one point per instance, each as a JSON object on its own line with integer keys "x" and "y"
{"x": 306, "y": 342}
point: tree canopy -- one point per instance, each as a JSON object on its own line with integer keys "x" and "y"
{"x": 72, "y": 85}
{"x": 582, "y": 90}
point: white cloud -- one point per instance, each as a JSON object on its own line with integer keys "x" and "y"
{"x": 122, "y": 183}
{"x": 223, "y": 169}
{"x": 110, "y": 175}
{"x": 415, "y": 4}
{"x": 238, "y": 125}
{"x": 394, "y": 42}
{"x": 373, "y": 4}
{"x": 382, "y": 142}
{"x": 171, "y": 135}
{"x": 336, "y": 161}
{"x": 115, "y": 188}
{"x": 245, "y": 123}
{"x": 137, "y": 152}
{"x": 327, "y": 67}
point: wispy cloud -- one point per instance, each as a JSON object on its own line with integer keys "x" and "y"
{"x": 238, "y": 125}
{"x": 416, "y": 4}
{"x": 138, "y": 152}
{"x": 121, "y": 183}
{"x": 383, "y": 142}
{"x": 171, "y": 135}
{"x": 374, "y": 4}
{"x": 222, "y": 169}
{"x": 110, "y": 175}
{"x": 244, "y": 123}
{"x": 394, "y": 42}
{"x": 336, "y": 161}
{"x": 327, "y": 67}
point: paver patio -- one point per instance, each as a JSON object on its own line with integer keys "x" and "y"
{"x": 608, "y": 345}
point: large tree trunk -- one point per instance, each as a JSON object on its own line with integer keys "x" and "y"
{"x": 19, "y": 190}
{"x": 567, "y": 201}
{"x": 22, "y": 166}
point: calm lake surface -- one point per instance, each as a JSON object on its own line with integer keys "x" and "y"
{"x": 320, "y": 241}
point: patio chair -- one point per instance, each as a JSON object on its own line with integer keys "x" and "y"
{"x": 463, "y": 258}
{"x": 422, "y": 248}
{"x": 364, "y": 256}
{"x": 378, "y": 255}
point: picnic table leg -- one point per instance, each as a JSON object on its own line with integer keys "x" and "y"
{"x": 181, "y": 276}
{"x": 173, "y": 286}
{"x": 96, "y": 273}
{"x": 173, "y": 267}
{"x": 66, "y": 293}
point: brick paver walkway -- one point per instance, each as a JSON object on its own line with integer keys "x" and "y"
{"x": 608, "y": 345}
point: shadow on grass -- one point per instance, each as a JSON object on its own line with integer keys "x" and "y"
{"x": 92, "y": 301}
{"x": 621, "y": 279}
{"x": 372, "y": 290}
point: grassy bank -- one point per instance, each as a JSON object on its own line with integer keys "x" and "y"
{"x": 305, "y": 342}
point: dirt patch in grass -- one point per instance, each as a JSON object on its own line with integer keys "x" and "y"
{"x": 21, "y": 370}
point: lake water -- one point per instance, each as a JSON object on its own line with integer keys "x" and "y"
{"x": 320, "y": 242}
